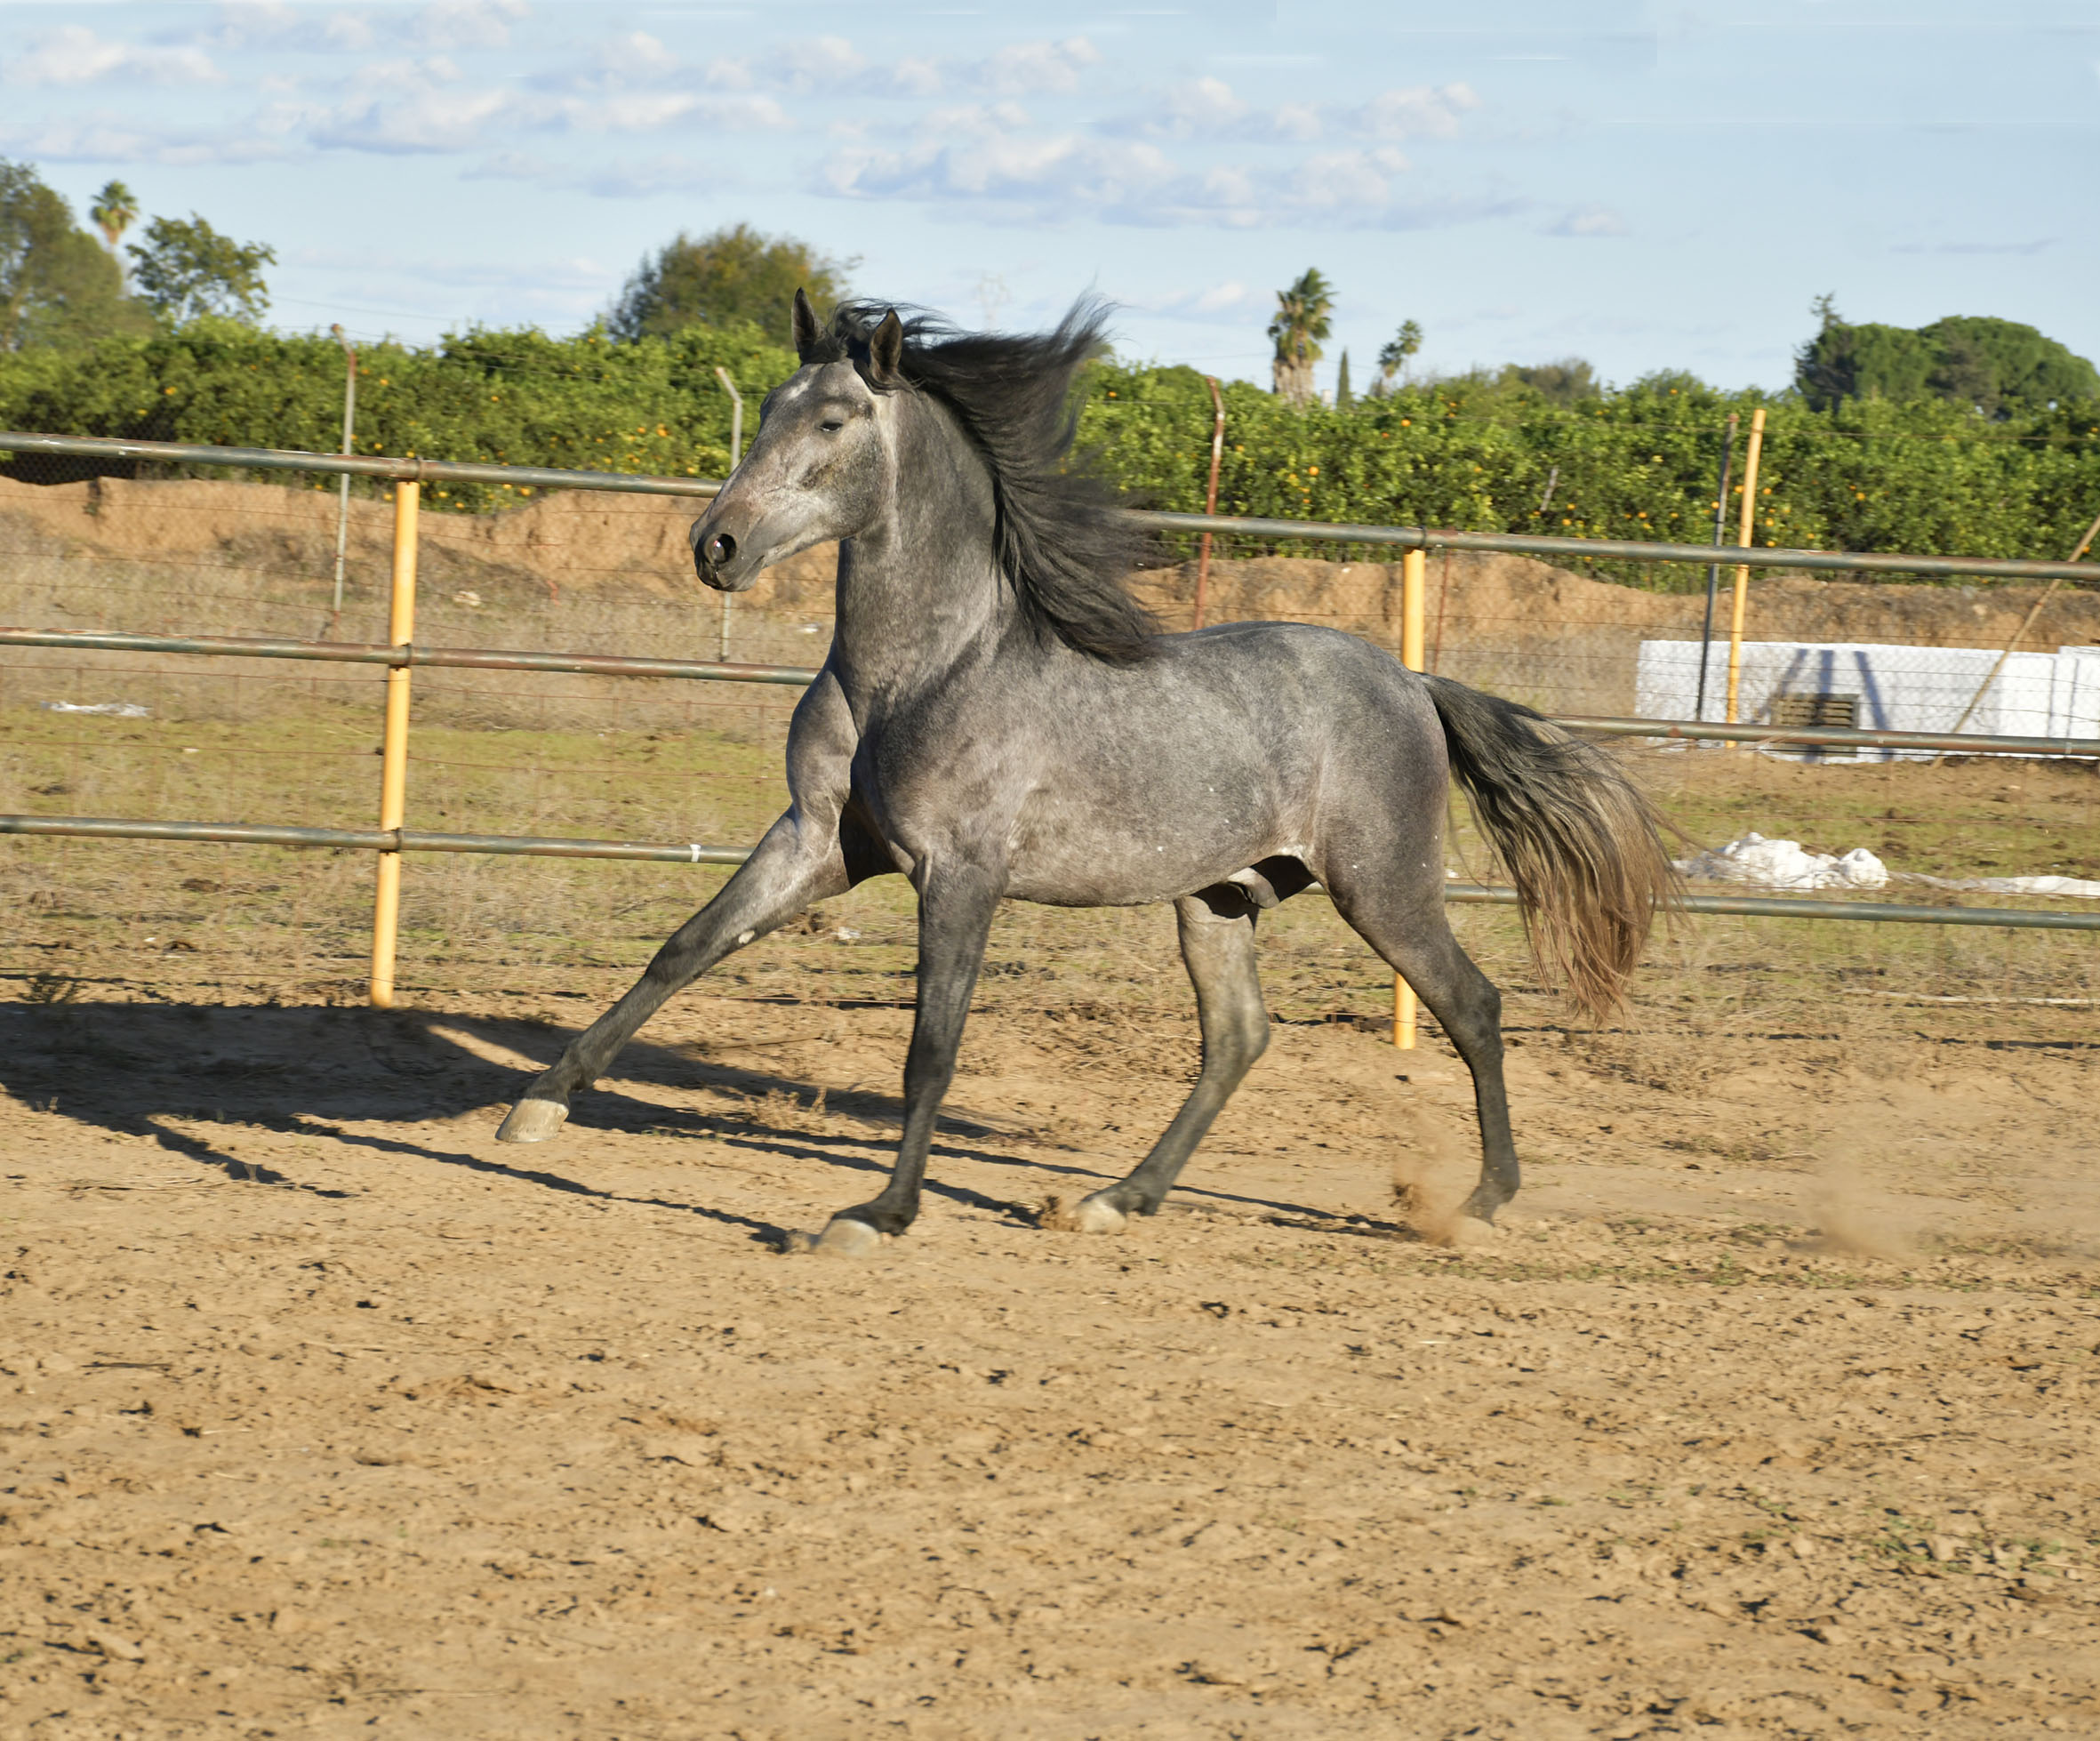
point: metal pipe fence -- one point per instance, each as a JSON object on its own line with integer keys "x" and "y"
{"x": 1396, "y": 537}
{"x": 408, "y": 654}
{"x": 526, "y": 846}
{"x": 399, "y": 658}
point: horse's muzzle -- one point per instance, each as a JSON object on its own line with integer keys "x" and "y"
{"x": 718, "y": 557}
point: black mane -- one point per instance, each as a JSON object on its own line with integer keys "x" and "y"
{"x": 1063, "y": 539}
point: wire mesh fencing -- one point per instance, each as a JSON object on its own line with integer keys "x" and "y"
{"x": 1625, "y": 640}
{"x": 520, "y": 752}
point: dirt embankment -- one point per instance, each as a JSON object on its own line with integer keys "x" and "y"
{"x": 1508, "y": 623}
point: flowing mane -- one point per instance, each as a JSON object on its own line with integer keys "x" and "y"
{"x": 1063, "y": 539}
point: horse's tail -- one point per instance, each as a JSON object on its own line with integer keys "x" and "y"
{"x": 1578, "y": 839}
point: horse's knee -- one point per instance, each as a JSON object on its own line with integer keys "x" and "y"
{"x": 1231, "y": 1047}
{"x": 1254, "y": 1037}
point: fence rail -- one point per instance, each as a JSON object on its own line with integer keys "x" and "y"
{"x": 1325, "y": 531}
{"x": 1618, "y": 550}
{"x": 526, "y": 845}
{"x": 613, "y": 664}
{"x": 407, "y": 654}
{"x": 355, "y": 465}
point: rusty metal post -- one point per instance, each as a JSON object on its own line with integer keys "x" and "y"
{"x": 1414, "y": 565}
{"x": 736, "y": 455}
{"x": 393, "y": 780}
{"x": 342, "y": 494}
{"x": 1210, "y": 499}
{"x": 1713, "y": 569}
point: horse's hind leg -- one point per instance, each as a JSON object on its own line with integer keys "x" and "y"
{"x": 1218, "y": 929}
{"x": 786, "y": 872}
{"x": 1409, "y": 929}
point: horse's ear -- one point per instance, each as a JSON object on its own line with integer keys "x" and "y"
{"x": 805, "y": 324}
{"x": 885, "y": 351}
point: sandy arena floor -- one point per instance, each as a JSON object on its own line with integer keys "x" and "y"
{"x": 1770, "y": 1411}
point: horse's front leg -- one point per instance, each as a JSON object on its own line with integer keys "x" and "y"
{"x": 956, "y": 905}
{"x": 795, "y": 864}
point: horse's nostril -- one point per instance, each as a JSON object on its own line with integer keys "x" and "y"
{"x": 720, "y": 549}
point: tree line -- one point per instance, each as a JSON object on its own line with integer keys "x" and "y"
{"x": 1482, "y": 452}
{"x": 60, "y": 288}
{"x": 1994, "y": 368}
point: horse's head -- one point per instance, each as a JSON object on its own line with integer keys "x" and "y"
{"x": 822, "y": 464}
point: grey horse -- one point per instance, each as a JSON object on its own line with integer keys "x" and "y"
{"x": 998, "y": 719}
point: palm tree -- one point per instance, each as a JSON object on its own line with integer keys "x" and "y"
{"x": 1301, "y": 323}
{"x": 1393, "y": 360}
{"x": 115, "y": 211}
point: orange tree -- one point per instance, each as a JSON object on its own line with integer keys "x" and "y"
{"x": 1477, "y": 453}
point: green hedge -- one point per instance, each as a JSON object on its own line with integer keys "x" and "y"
{"x": 1637, "y": 463}
{"x": 515, "y": 398}
{"x": 1477, "y": 454}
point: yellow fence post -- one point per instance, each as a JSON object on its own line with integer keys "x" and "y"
{"x": 1747, "y": 528}
{"x": 1414, "y": 567}
{"x": 393, "y": 780}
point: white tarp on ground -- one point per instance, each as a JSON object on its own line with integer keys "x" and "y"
{"x": 2084, "y": 887}
{"x": 1897, "y": 688}
{"x": 1784, "y": 864}
{"x": 1787, "y": 865}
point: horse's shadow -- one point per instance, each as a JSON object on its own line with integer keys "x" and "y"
{"x": 167, "y": 1073}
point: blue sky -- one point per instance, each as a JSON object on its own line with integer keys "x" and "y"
{"x": 1646, "y": 185}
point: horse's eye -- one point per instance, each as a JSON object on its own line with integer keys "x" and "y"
{"x": 831, "y": 425}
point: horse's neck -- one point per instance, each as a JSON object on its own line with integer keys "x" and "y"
{"x": 921, "y": 590}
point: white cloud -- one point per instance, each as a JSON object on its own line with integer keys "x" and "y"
{"x": 815, "y": 63}
{"x": 638, "y": 112}
{"x": 1204, "y": 106}
{"x": 1227, "y": 302}
{"x": 406, "y": 107}
{"x": 627, "y": 178}
{"x": 1590, "y": 220}
{"x": 75, "y": 54}
{"x": 636, "y": 54}
{"x": 1298, "y": 121}
{"x": 1025, "y": 68}
{"x": 1347, "y": 180}
{"x": 984, "y": 155}
{"x": 1418, "y": 111}
{"x": 1210, "y": 108}
{"x": 441, "y": 24}
{"x": 995, "y": 162}
{"x": 466, "y": 23}
{"x": 103, "y": 140}
{"x": 428, "y": 105}
{"x": 915, "y": 78}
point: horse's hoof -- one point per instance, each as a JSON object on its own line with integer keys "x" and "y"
{"x": 847, "y": 1237}
{"x": 533, "y": 1121}
{"x": 1090, "y": 1215}
{"x": 1093, "y": 1214}
{"x": 1472, "y": 1230}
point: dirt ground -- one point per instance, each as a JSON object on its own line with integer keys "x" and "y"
{"x": 1768, "y": 1411}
